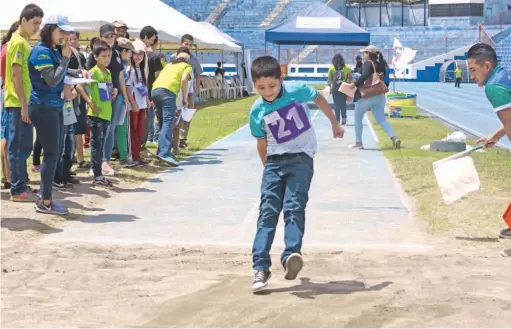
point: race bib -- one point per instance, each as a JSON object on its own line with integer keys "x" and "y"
{"x": 105, "y": 91}
{"x": 141, "y": 88}
{"x": 288, "y": 122}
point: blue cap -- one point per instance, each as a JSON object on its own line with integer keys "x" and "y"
{"x": 61, "y": 21}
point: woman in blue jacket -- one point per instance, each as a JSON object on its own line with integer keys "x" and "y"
{"x": 48, "y": 65}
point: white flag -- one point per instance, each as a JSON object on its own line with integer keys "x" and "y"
{"x": 402, "y": 57}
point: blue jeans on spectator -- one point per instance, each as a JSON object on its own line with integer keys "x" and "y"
{"x": 377, "y": 105}
{"x": 285, "y": 185}
{"x": 19, "y": 145}
{"x": 63, "y": 172}
{"x": 49, "y": 125}
{"x": 165, "y": 101}
{"x": 117, "y": 112}
{"x": 152, "y": 133}
{"x": 98, "y": 133}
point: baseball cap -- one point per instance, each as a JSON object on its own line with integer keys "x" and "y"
{"x": 120, "y": 24}
{"x": 125, "y": 44}
{"x": 61, "y": 21}
{"x": 370, "y": 49}
{"x": 106, "y": 30}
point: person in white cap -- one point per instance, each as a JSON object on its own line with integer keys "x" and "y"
{"x": 121, "y": 29}
{"x": 373, "y": 63}
{"x": 48, "y": 64}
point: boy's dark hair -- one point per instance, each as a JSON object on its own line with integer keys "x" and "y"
{"x": 148, "y": 32}
{"x": 185, "y": 37}
{"x": 77, "y": 34}
{"x": 93, "y": 41}
{"x": 99, "y": 47}
{"x": 30, "y": 11}
{"x": 45, "y": 34}
{"x": 6, "y": 38}
{"x": 265, "y": 67}
{"x": 176, "y": 60}
{"x": 482, "y": 52}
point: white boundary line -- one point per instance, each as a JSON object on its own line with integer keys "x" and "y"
{"x": 470, "y": 131}
{"x": 371, "y": 129}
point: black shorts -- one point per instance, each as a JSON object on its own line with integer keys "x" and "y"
{"x": 81, "y": 120}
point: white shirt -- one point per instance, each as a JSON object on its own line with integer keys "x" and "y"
{"x": 136, "y": 85}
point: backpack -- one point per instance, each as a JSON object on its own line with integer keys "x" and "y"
{"x": 339, "y": 78}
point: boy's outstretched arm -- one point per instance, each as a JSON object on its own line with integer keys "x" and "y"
{"x": 262, "y": 144}
{"x": 322, "y": 103}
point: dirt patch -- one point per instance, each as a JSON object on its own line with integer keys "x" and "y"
{"x": 73, "y": 285}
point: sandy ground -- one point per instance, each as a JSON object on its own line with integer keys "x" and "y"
{"x": 456, "y": 284}
{"x": 72, "y": 285}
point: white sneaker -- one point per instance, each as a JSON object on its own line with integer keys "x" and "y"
{"x": 293, "y": 266}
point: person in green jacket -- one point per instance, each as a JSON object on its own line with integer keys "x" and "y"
{"x": 458, "y": 73}
{"x": 338, "y": 73}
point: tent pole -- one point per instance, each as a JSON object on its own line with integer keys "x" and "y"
{"x": 278, "y": 52}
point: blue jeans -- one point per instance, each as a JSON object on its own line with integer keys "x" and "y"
{"x": 285, "y": 185}
{"x": 62, "y": 174}
{"x": 340, "y": 106}
{"x": 117, "y": 112}
{"x": 19, "y": 145}
{"x": 165, "y": 101}
{"x": 151, "y": 133}
{"x": 49, "y": 125}
{"x": 377, "y": 105}
{"x": 98, "y": 134}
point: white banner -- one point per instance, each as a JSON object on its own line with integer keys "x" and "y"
{"x": 318, "y": 22}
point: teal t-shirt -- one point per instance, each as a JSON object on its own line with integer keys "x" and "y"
{"x": 285, "y": 122}
{"x": 498, "y": 88}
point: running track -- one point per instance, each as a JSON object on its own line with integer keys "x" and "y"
{"x": 467, "y": 106}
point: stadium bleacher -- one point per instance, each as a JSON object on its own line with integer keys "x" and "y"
{"x": 242, "y": 19}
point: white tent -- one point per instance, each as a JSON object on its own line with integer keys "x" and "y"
{"x": 91, "y": 14}
{"x": 220, "y": 32}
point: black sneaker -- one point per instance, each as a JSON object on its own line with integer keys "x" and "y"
{"x": 260, "y": 280}
{"x": 102, "y": 181}
{"x": 505, "y": 234}
{"x": 72, "y": 180}
{"x": 59, "y": 185}
{"x": 344, "y": 121}
{"x": 127, "y": 163}
{"x": 183, "y": 145}
{"x": 293, "y": 266}
{"x": 53, "y": 209}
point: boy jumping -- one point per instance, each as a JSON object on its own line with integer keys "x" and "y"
{"x": 286, "y": 143}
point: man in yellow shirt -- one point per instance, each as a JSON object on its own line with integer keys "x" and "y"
{"x": 458, "y": 73}
{"x": 17, "y": 96}
{"x": 174, "y": 77}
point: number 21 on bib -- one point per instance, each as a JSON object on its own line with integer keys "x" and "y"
{"x": 288, "y": 122}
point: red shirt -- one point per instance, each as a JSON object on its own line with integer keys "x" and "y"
{"x": 3, "y": 63}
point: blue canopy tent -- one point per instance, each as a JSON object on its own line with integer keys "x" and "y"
{"x": 318, "y": 25}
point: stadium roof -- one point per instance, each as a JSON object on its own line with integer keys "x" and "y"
{"x": 318, "y": 25}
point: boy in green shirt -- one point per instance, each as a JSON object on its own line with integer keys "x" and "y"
{"x": 17, "y": 95}
{"x": 99, "y": 109}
